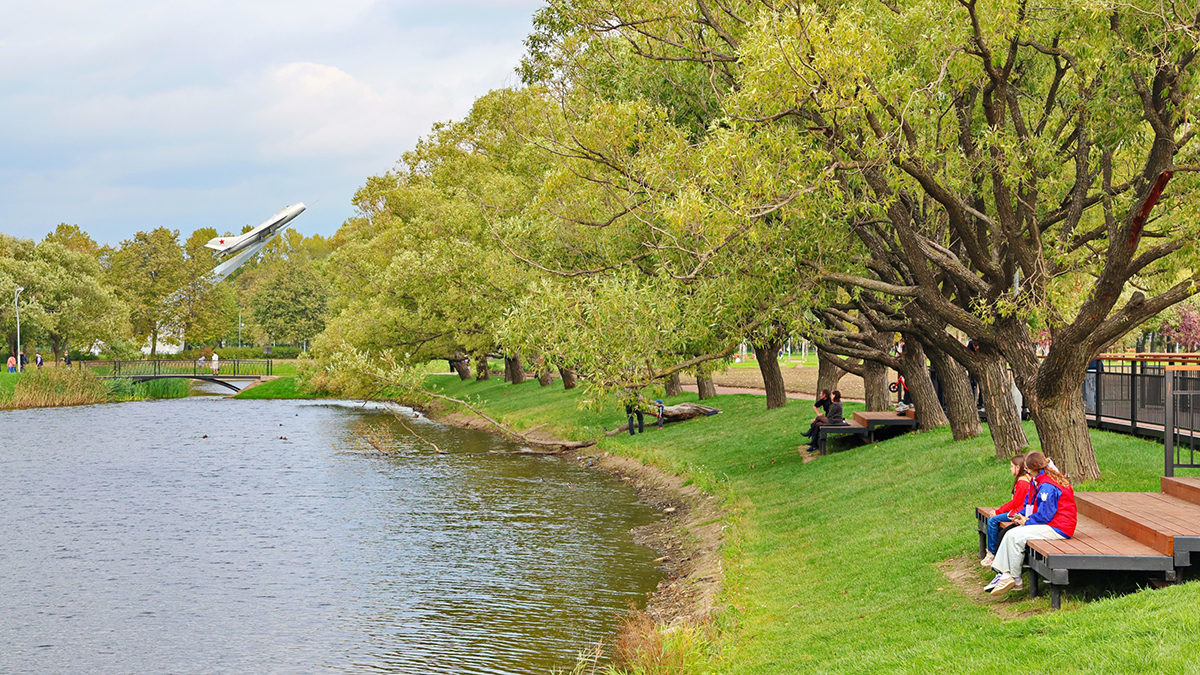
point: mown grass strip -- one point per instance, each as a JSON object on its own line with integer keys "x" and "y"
{"x": 281, "y": 387}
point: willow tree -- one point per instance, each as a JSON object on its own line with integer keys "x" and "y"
{"x": 986, "y": 156}
{"x": 417, "y": 270}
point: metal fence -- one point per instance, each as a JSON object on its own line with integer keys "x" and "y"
{"x": 1156, "y": 395}
{"x": 231, "y": 368}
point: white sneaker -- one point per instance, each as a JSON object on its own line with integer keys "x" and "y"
{"x": 992, "y": 584}
{"x": 988, "y": 560}
{"x": 1004, "y": 584}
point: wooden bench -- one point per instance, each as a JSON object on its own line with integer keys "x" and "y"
{"x": 1094, "y": 547}
{"x": 1120, "y": 532}
{"x": 865, "y": 424}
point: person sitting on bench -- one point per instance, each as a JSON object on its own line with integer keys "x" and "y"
{"x": 832, "y": 418}
{"x": 821, "y": 409}
{"x": 1054, "y": 517}
{"x": 1022, "y": 480}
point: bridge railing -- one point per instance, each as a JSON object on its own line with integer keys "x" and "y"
{"x": 192, "y": 367}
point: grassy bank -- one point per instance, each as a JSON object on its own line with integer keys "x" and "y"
{"x": 281, "y": 387}
{"x": 834, "y": 565}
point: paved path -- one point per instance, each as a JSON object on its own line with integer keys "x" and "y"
{"x": 761, "y": 392}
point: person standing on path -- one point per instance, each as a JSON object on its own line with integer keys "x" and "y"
{"x": 37, "y": 359}
{"x": 12, "y": 363}
{"x": 24, "y": 362}
{"x": 216, "y": 363}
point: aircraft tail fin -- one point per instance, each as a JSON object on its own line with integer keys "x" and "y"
{"x": 221, "y": 243}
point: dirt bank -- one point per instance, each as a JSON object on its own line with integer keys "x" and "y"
{"x": 688, "y": 538}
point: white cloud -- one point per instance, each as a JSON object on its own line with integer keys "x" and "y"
{"x": 124, "y": 116}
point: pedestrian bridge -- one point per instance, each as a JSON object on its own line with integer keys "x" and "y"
{"x": 142, "y": 370}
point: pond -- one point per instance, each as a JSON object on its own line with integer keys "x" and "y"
{"x": 206, "y": 535}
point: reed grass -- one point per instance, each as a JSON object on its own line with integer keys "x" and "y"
{"x": 51, "y": 387}
{"x": 161, "y": 389}
{"x": 54, "y": 387}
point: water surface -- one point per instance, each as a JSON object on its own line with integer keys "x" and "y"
{"x": 133, "y": 544}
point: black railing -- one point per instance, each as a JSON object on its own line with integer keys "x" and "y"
{"x": 231, "y": 368}
{"x": 1156, "y": 395}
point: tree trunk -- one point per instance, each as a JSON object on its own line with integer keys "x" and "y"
{"x": 1004, "y": 420}
{"x": 961, "y": 408}
{"x": 461, "y": 365}
{"x": 568, "y": 377}
{"x": 545, "y": 376}
{"x": 704, "y": 386}
{"x": 153, "y": 342}
{"x": 912, "y": 366}
{"x": 875, "y": 386}
{"x": 1063, "y": 431}
{"x": 768, "y": 364}
{"x": 828, "y": 372}
{"x": 518, "y": 369}
{"x": 672, "y": 386}
{"x": 482, "y": 370}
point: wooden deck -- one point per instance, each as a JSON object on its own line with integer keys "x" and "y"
{"x": 1154, "y": 532}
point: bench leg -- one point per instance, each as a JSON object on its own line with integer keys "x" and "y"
{"x": 1033, "y": 584}
{"x": 821, "y": 446}
{"x": 983, "y": 545}
{"x": 1055, "y": 596}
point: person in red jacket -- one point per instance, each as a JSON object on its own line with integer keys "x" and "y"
{"x": 1003, "y": 514}
{"x": 1054, "y": 517}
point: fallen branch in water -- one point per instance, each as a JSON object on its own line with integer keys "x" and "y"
{"x": 400, "y": 419}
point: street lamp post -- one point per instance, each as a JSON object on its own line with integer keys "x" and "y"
{"x": 18, "y": 308}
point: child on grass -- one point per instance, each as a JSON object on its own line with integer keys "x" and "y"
{"x": 1022, "y": 479}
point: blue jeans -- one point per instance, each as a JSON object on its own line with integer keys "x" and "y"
{"x": 993, "y": 530}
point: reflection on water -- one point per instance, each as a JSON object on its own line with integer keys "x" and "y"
{"x": 135, "y": 545}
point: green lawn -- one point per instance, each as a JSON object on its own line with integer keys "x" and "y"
{"x": 281, "y": 387}
{"x": 8, "y": 381}
{"x": 832, "y": 566}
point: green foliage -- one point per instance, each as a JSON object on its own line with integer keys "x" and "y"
{"x": 64, "y": 299}
{"x": 290, "y": 304}
{"x": 280, "y": 387}
{"x": 146, "y": 272}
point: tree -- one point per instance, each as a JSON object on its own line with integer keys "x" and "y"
{"x": 63, "y": 298}
{"x": 290, "y": 305}
{"x": 1185, "y": 331}
{"x": 146, "y": 271}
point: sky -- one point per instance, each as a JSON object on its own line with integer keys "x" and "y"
{"x": 124, "y": 116}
